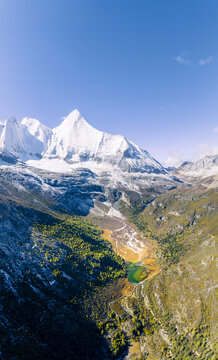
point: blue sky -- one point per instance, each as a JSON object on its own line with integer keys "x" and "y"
{"x": 147, "y": 69}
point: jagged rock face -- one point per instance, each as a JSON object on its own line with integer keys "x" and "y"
{"x": 74, "y": 141}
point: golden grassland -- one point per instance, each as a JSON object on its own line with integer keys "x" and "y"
{"x": 146, "y": 257}
{"x": 134, "y": 350}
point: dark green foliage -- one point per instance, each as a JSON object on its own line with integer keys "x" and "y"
{"x": 74, "y": 246}
{"x": 118, "y": 343}
{"x": 53, "y": 315}
{"x": 172, "y": 248}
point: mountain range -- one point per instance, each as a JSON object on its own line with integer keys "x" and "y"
{"x": 75, "y": 142}
{"x": 102, "y": 248}
{"x": 205, "y": 167}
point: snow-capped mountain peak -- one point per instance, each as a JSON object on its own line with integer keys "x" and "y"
{"x": 75, "y": 142}
{"x": 73, "y": 139}
{"x": 16, "y": 140}
{"x": 207, "y": 166}
{"x": 38, "y": 130}
{"x": 73, "y": 117}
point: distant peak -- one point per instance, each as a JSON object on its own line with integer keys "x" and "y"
{"x": 28, "y": 120}
{"x": 73, "y": 116}
{"x": 76, "y": 112}
{"x": 12, "y": 119}
{"x": 186, "y": 163}
{"x": 73, "y": 120}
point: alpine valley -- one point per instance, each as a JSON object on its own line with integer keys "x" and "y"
{"x": 104, "y": 253}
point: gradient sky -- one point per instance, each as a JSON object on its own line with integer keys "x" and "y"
{"x": 146, "y": 69}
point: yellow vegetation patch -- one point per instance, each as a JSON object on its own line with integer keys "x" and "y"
{"x": 146, "y": 256}
{"x": 127, "y": 288}
{"x": 134, "y": 350}
{"x": 121, "y": 248}
{"x": 151, "y": 357}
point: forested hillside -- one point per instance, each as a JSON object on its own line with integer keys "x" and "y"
{"x": 173, "y": 314}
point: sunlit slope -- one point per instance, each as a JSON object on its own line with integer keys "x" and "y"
{"x": 183, "y": 297}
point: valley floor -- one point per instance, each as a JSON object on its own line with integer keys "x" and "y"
{"x": 137, "y": 249}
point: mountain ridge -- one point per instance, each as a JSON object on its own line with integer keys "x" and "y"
{"x": 76, "y": 141}
{"x": 203, "y": 167}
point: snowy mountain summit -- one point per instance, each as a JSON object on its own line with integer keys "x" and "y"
{"x": 16, "y": 142}
{"x": 207, "y": 166}
{"x": 73, "y": 142}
